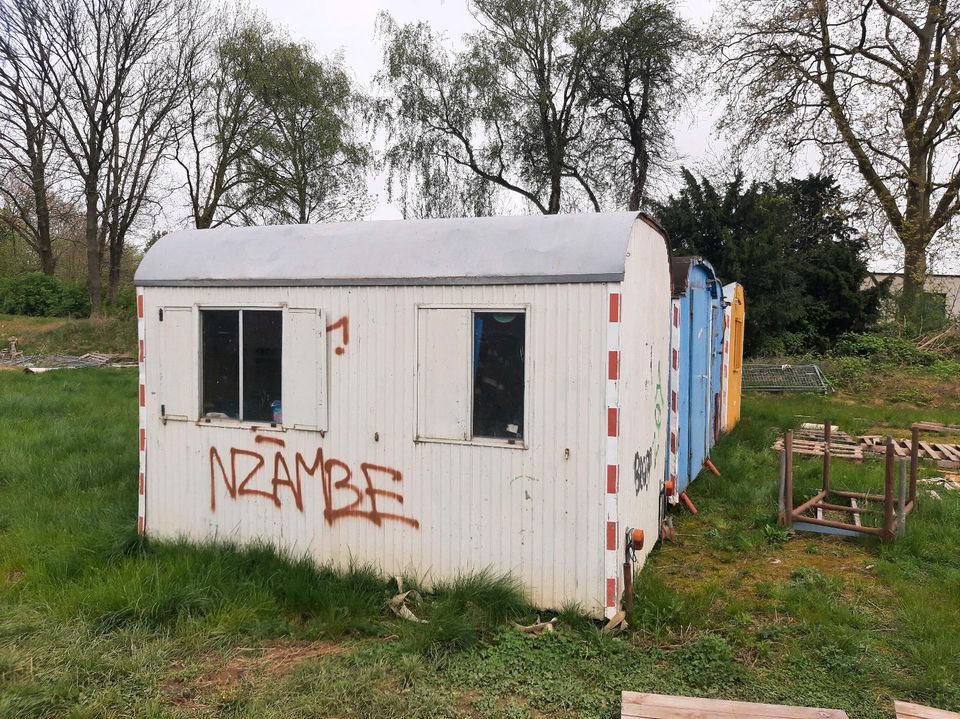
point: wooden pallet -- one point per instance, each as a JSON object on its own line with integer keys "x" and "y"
{"x": 634, "y": 705}
{"x": 811, "y": 443}
{"x": 814, "y": 448}
{"x": 937, "y": 451}
{"x": 906, "y": 710}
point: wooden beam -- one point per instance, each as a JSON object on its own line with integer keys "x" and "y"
{"x": 661, "y": 706}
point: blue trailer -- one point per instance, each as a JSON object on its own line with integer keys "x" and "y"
{"x": 696, "y": 342}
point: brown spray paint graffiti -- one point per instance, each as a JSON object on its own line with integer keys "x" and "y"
{"x": 341, "y": 324}
{"x": 342, "y": 498}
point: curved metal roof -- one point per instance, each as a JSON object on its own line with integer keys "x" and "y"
{"x": 680, "y": 273}
{"x": 484, "y": 250}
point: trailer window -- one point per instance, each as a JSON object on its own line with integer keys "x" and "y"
{"x": 498, "y": 374}
{"x": 241, "y": 359}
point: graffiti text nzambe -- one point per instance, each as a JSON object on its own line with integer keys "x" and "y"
{"x": 344, "y": 493}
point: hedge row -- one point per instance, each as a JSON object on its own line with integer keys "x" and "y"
{"x": 39, "y": 295}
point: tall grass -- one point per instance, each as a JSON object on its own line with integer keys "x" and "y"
{"x": 79, "y": 588}
{"x": 61, "y": 335}
{"x": 96, "y": 622}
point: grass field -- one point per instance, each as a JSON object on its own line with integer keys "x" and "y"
{"x": 97, "y": 623}
{"x": 64, "y": 335}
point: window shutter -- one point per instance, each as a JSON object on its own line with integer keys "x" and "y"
{"x": 444, "y": 365}
{"x": 176, "y": 350}
{"x": 304, "y": 396}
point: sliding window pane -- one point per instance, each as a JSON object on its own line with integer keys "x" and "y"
{"x": 262, "y": 341}
{"x": 221, "y": 362}
{"x": 498, "y": 355}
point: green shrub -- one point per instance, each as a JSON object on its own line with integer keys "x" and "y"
{"x": 850, "y": 373}
{"x": 38, "y": 295}
{"x": 882, "y": 349}
{"x": 784, "y": 344}
{"x": 856, "y": 358}
{"x": 125, "y": 306}
{"x": 74, "y": 300}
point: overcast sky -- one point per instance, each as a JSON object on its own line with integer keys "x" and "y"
{"x": 349, "y": 26}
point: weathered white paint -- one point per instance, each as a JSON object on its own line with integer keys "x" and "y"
{"x": 141, "y": 417}
{"x": 645, "y": 362}
{"x": 442, "y": 403}
{"x": 537, "y": 509}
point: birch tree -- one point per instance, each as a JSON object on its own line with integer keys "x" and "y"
{"x": 508, "y": 109}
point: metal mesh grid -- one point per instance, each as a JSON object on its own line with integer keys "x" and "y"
{"x": 784, "y": 378}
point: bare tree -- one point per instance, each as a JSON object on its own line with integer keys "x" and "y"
{"x": 145, "y": 127}
{"x": 873, "y": 84}
{"x": 27, "y": 109}
{"x": 509, "y": 109}
{"x": 116, "y": 66}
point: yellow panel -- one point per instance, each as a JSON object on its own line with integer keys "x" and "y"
{"x": 735, "y": 366}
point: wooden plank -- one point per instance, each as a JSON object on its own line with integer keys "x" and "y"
{"x": 919, "y": 711}
{"x": 931, "y": 452}
{"x": 950, "y": 451}
{"x": 856, "y": 516}
{"x": 662, "y": 706}
{"x": 930, "y": 426}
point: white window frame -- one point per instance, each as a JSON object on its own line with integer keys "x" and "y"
{"x": 198, "y": 333}
{"x": 473, "y": 308}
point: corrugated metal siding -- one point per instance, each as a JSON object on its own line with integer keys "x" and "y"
{"x": 644, "y": 386}
{"x": 536, "y": 512}
{"x": 699, "y": 372}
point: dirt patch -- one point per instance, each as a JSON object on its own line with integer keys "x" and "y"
{"x": 221, "y": 674}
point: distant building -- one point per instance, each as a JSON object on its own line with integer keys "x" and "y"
{"x": 947, "y": 286}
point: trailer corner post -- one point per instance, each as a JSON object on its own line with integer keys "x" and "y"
{"x": 781, "y": 501}
{"x": 788, "y": 478}
{"x": 888, "y": 523}
{"x": 902, "y": 497}
{"x": 914, "y": 461}
{"x": 826, "y": 456}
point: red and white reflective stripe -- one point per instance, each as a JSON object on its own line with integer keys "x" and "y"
{"x": 612, "y": 534}
{"x": 673, "y": 426}
{"x": 142, "y": 433}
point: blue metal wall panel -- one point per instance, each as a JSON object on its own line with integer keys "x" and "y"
{"x": 701, "y": 357}
{"x": 716, "y": 361}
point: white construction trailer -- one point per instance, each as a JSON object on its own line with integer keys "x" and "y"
{"x": 432, "y": 397}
